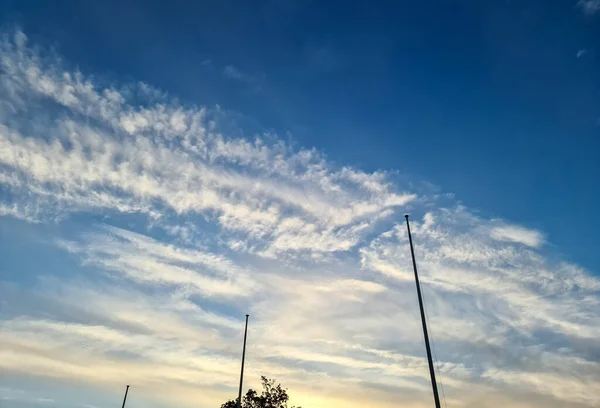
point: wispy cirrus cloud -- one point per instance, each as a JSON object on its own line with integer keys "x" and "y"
{"x": 518, "y": 234}
{"x": 173, "y": 159}
{"x": 253, "y": 81}
{"x": 589, "y": 7}
{"x": 144, "y": 260}
{"x": 188, "y": 228}
{"x": 231, "y": 72}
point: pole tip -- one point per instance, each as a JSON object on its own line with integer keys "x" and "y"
{"x": 247, "y": 315}
{"x": 406, "y": 216}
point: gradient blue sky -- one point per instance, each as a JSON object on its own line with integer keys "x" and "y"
{"x": 166, "y": 167}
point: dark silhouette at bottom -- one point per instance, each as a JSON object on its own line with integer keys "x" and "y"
{"x": 272, "y": 396}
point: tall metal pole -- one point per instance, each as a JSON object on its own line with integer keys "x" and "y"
{"x": 431, "y": 370}
{"x": 239, "y": 401}
{"x": 125, "y": 398}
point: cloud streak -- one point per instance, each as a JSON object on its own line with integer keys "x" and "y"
{"x": 232, "y": 72}
{"x": 172, "y": 159}
{"x": 589, "y": 7}
{"x": 518, "y": 234}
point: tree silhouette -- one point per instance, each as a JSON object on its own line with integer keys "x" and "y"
{"x": 272, "y": 396}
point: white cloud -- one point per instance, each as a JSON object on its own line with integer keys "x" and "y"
{"x": 567, "y": 389}
{"x": 144, "y": 260}
{"x": 514, "y": 233}
{"x": 164, "y": 158}
{"x": 25, "y": 213}
{"x": 17, "y": 395}
{"x": 44, "y": 400}
{"x": 233, "y": 73}
{"x": 589, "y": 7}
{"x": 530, "y": 292}
{"x": 500, "y": 298}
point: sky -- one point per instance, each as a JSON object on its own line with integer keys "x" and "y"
{"x": 168, "y": 167}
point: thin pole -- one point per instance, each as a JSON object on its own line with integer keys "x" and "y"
{"x": 239, "y": 401}
{"x": 125, "y": 398}
{"x": 431, "y": 370}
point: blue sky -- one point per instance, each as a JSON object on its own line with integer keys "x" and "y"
{"x": 167, "y": 168}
